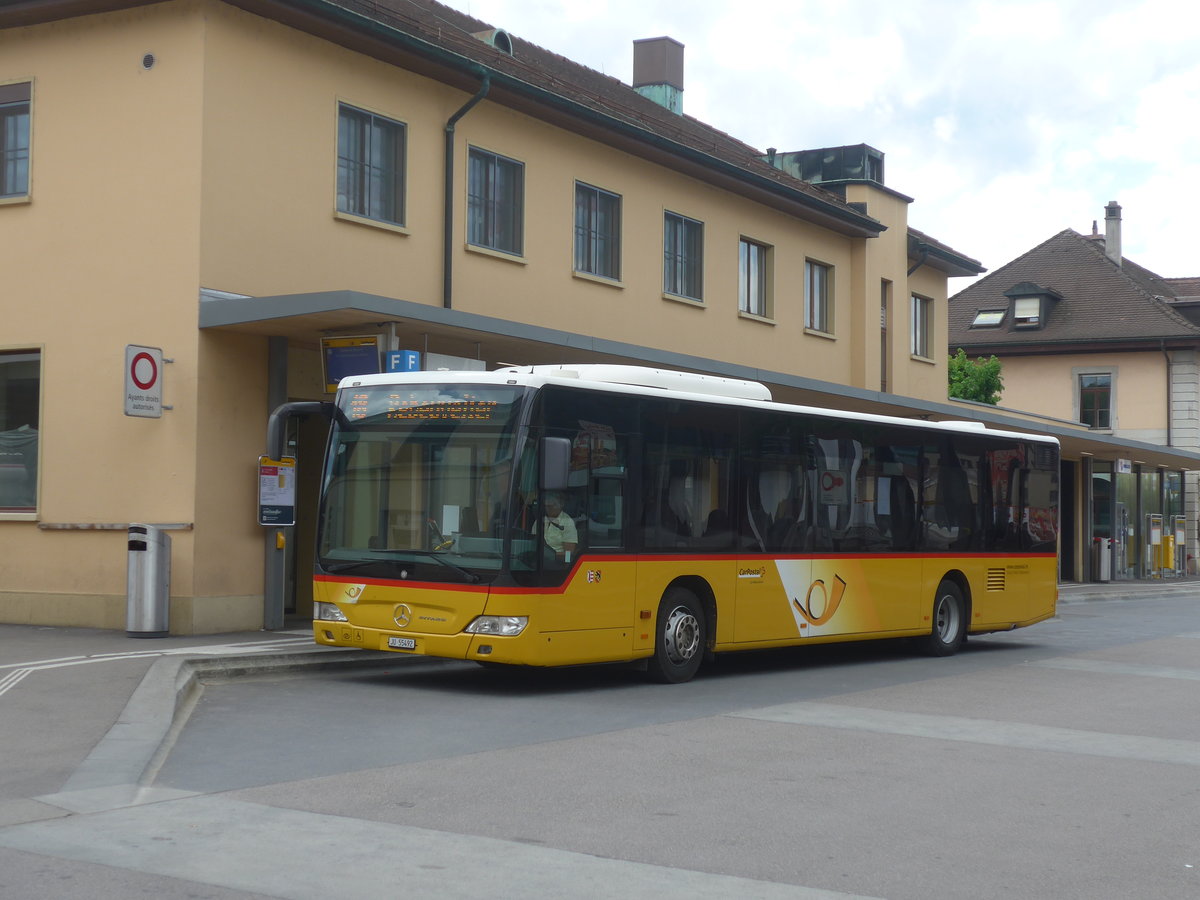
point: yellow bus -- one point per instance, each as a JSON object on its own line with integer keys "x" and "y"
{"x": 562, "y": 515}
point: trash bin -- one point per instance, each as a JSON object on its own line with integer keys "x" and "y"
{"x": 148, "y": 583}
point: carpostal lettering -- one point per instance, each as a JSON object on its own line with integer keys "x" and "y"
{"x": 752, "y": 573}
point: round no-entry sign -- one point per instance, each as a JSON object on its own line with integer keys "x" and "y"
{"x": 144, "y": 371}
{"x": 143, "y": 381}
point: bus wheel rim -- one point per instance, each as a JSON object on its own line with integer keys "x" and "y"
{"x": 681, "y": 635}
{"x": 946, "y": 618}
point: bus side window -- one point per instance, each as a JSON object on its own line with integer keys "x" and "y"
{"x": 1039, "y": 500}
{"x": 687, "y": 477}
{"x": 599, "y": 428}
{"x": 951, "y": 519}
{"x": 604, "y": 525}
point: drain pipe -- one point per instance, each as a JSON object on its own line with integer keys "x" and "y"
{"x": 1162, "y": 345}
{"x": 448, "y": 209}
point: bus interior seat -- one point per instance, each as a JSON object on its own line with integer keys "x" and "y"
{"x": 677, "y": 503}
{"x": 956, "y": 505}
{"x": 904, "y": 518}
{"x": 468, "y": 521}
{"x": 718, "y": 523}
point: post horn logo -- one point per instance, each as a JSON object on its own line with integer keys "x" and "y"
{"x": 827, "y": 603}
{"x": 402, "y": 614}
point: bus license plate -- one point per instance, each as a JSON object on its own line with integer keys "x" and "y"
{"x": 399, "y": 643}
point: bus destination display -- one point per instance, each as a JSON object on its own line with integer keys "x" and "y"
{"x": 392, "y": 405}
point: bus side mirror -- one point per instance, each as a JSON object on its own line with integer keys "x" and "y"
{"x": 556, "y": 463}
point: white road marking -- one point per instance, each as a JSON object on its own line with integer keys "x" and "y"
{"x": 19, "y": 671}
{"x": 271, "y": 850}
{"x": 1102, "y": 667}
{"x": 1015, "y": 735}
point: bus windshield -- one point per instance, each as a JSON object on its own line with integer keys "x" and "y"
{"x": 417, "y": 480}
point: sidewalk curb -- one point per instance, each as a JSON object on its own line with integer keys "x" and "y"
{"x": 120, "y": 769}
{"x": 1095, "y": 593}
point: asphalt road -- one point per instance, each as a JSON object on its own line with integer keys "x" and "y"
{"x": 1061, "y": 761}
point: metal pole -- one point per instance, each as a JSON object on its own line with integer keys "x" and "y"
{"x": 274, "y": 557}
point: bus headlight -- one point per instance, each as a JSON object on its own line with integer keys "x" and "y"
{"x": 508, "y": 626}
{"x": 328, "y": 612}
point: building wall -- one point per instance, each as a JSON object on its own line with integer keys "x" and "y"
{"x": 107, "y": 257}
{"x": 1048, "y": 385}
{"x": 268, "y": 174}
{"x": 886, "y": 259}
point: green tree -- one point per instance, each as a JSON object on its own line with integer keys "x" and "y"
{"x": 977, "y": 379}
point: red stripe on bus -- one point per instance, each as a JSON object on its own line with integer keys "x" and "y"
{"x": 677, "y": 558}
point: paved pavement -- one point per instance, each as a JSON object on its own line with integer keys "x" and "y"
{"x": 89, "y": 716}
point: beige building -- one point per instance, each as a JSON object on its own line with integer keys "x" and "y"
{"x": 228, "y": 183}
{"x": 1088, "y": 336}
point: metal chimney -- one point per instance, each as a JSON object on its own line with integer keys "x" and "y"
{"x": 1112, "y": 231}
{"x": 658, "y": 71}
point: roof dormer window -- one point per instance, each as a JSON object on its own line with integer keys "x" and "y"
{"x": 1027, "y": 312}
{"x": 989, "y": 318}
{"x": 1031, "y": 304}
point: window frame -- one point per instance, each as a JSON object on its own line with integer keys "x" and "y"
{"x": 920, "y": 332}
{"x": 360, "y": 167}
{"x": 818, "y": 296}
{"x": 1078, "y": 375}
{"x": 16, "y": 161}
{"x": 597, "y": 232}
{"x": 1028, "y": 311}
{"x": 757, "y": 254}
{"x": 27, "y": 513}
{"x": 683, "y": 256}
{"x": 989, "y": 318}
{"x": 486, "y": 212}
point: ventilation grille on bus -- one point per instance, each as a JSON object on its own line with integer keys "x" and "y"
{"x": 995, "y": 579}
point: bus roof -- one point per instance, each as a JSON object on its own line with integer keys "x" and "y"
{"x": 646, "y": 381}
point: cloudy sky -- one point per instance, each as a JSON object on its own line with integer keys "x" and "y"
{"x": 1007, "y": 121}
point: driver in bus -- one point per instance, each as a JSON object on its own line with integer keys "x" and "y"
{"x": 559, "y": 528}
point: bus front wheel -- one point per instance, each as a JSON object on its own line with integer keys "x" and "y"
{"x": 949, "y": 627}
{"x": 680, "y": 637}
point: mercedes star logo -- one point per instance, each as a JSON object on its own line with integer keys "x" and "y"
{"x": 402, "y": 614}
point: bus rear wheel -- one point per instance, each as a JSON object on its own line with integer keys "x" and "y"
{"x": 949, "y": 627}
{"x": 680, "y": 637}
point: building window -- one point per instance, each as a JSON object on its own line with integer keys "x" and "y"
{"x": 1027, "y": 312}
{"x": 922, "y": 327}
{"x": 370, "y": 165}
{"x": 885, "y": 314}
{"x": 1095, "y": 400}
{"x": 754, "y": 275}
{"x": 683, "y": 256}
{"x": 988, "y": 318}
{"x": 20, "y": 389}
{"x": 14, "y": 140}
{"x": 817, "y": 301}
{"x": 495, "y": 202}
{"x": 597, "y": 232}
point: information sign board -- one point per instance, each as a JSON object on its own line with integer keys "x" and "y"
{"x": 277, "y": 491}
